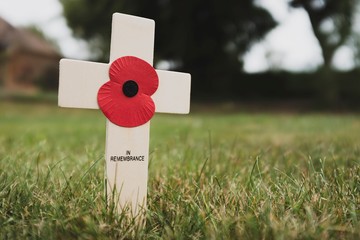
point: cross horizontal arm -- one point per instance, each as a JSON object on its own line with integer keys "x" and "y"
{"x": 173, "y": 94}
{"x": 80, "y": 82}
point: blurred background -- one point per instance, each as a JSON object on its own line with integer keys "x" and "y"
{"x": 291, "y": 54}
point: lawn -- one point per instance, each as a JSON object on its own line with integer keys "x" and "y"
{"x": 211, "y": 176}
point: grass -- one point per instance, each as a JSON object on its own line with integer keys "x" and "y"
{"x": 211, "y": 176}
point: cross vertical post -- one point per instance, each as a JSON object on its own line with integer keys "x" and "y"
{"x": 79, "y": 84}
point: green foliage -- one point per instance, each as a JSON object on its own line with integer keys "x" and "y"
{"x": 204, "y": 37}
{"x": 296, "y": 90}
{"x": 237, "y": 176}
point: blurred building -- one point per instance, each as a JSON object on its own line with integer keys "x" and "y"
{"x": 28, "y": 63}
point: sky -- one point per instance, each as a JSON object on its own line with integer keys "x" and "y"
{"x": 290, "y": 46}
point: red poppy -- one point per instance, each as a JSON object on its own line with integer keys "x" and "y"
{"x": 126, "y": 98}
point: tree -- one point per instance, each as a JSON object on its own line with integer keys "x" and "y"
{"x": 204, "y": 37}
{"x": 332, "y": 23}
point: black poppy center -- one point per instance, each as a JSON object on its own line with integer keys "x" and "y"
{"x": 130, "y": 88}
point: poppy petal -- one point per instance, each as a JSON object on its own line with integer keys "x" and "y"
{"x": 124, "y": 111}
{"x": 132, "y": 68}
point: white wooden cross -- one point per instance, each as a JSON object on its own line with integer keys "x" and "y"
{"x": 79, "y": 84}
